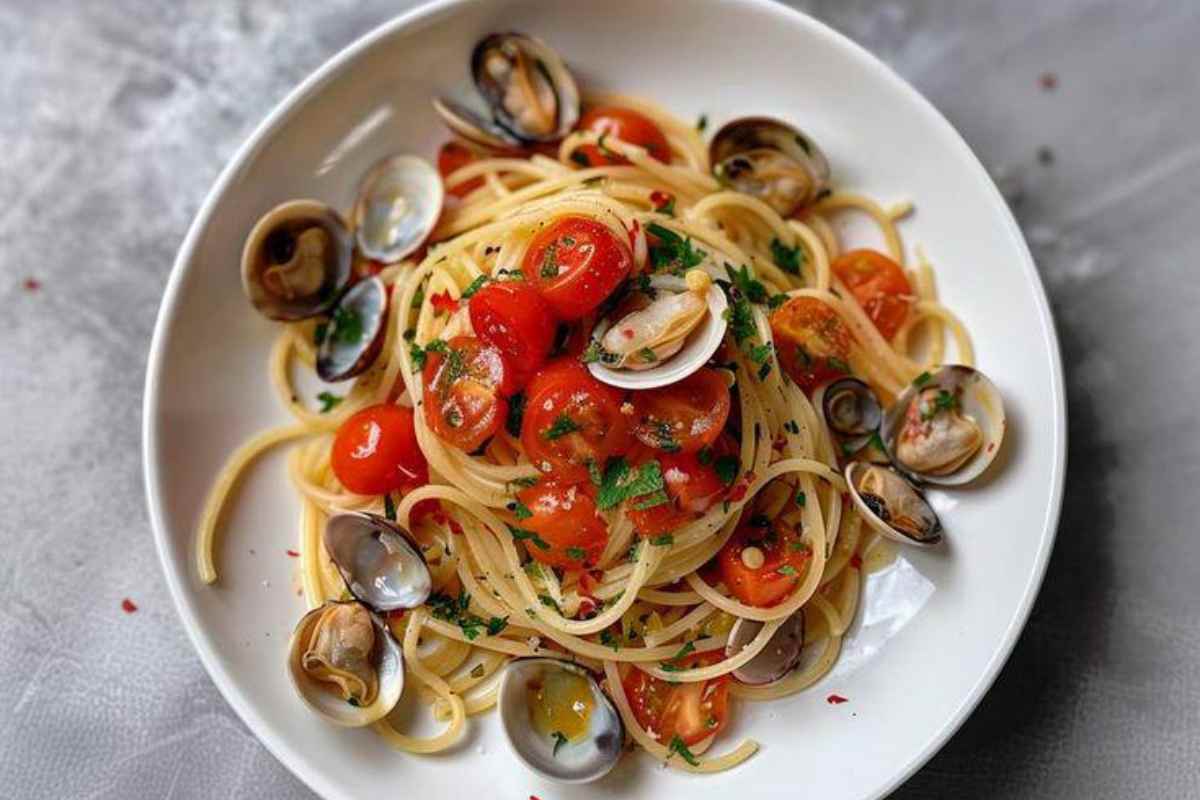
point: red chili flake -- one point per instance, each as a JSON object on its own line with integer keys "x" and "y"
{"x": 32, "y": 284}
{"x": 627, "y": 333}
{"x": 443, "y": 303}
{"x": 739, "y": 490}
{"x": 1048, "y": 81}
{"x": 395, "y": 613}
{"x": 991, "y": 446}
{"x": 856, "y": 561}
{"x": 633, "y": 233}
{"x": 836, "y": 700}
{"x": 293, "y": 554}
{"x": 661, "y": 199}
{"x": 454, "y": 526}
{"x": 128, "y": 606}
{"x": 586, "y": 606}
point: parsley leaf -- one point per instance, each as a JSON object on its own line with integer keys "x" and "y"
{"x": 389, "y": 508}
{"x": 740, "y": 319}
{"x": 516, "y": 414}
{"x": 787, "y": 569}
{"x": 663, "y": 541}
{"x": 559, "y": 741}
{"x": 727, "y": 468}
{"x": 702, "y": 123}
{"x": 801, "y": 499}
{"x": 522, "y": 483}
{"x": 787, "y": 258}
{"x": 650, "y": 501}
{"x": 750, "y": 287}
{"x": 677, "y": 746}
{"x": 417, "y": 354}
{"x": 323, "y": 328}
{"x": 838, "y": 364}
{"x": 520, "y": 510}
{"x": 607, "y": 638}
{"x": 520, "y": 534}
{"x": 688, "y": 647}
{"x": 347, "y": 325}
{"x": 456, "y": 611}
{"x": 562, "y": 425}
{"x": 496, "y": 624}
{"x": 776, "y": 300}
{"x": 475, "y": 286}
{"x": 922, "y": 379}
{"x": 620, "y": 483}
{"x": 672, "y": 252}
{"x": 328, "y": 401}
{"x": 576, "y": 553}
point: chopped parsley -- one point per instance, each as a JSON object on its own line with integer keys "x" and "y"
{"x": 688, "y": 647}
{"x": 417, "y": 354}
{"x": 521, "y": 534}
{"x": 702, "y": 123}
{"x": 607, "y": 639}
{"x": 791, "y": 427}
{"x": 727, "y": 468}
{"x": 594, "y": 473}
{"x": 455, "y": 610}
{"x": 787, "y": 569}
{"x": 945, "y": 401}
{"x": 559, "y": 741}
{"x": 787, "y": 258}
{"x": 668, "y": 207}
{"x": 666, "y": 540}
{"x": 759, "y": 353}
{"x": 922, "y": 379}
{"x": 323, "y": 328}
{"x": 750, "y": 287}
{"x": 418, "y": 298}
{"x": 705, "y": 456}
{"x": 549, "y": 602}
{"x": 576, "y": 553}
{"x": 478, "y": 671}
{"x": 677, "y": 746}
{"x": 672, "y": 252}
{"x": 619, "y": 483}
{"x": 389, "y": 508}
{"x": 838, "y": 364}
{"x": 347, "y": 326}
{"x": 494, "y": 626}
{"x": 580, "y": 158}
{"x": 801, "y": 499}
{"x": 650, "y": 501}
{"x": 520, "y": 510}
{"x": 596, "y": 352}
{"x": 522, "y": 483}
{"x": 562, "y": 425}
{"x": 475, "y": 286}
{"x": 550, "y": 262}
{"x": 328, "y": 400}
{"x": 776, "y": 300}
{"x": 740, "y": 319}
{"x": 648, "y": 355}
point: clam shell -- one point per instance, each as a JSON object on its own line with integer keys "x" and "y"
{"x": 867, "y": 506}
{"x": 777, "y": 659}
{"x": 340, "y": 357}
{"x": 399, "y": 202}
{"x": 381, "y": 568}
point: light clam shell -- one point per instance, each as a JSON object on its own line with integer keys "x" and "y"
{"x": 338, "y": 360}
{"x": 980, "y": 401}
{"x": 780, "y": 655}
{"x": 697, "y": 349}
{"x": 377, "y": 562}
{"x": 295, "y": 212}
{"x": 565, "y": 89}
{"x": 399, "y": 202}
{"x": 880, "y": 525}
{"x": 388, "y": 660}
{"x": 580, "y": 762}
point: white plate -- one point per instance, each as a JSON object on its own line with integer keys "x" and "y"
{"x": 936, "y": 630}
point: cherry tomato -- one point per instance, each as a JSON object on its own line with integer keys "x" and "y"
{"x": 453, "y": 156}
{"x": 684, "y": 416}
{"x": 571, "y": 419}
{"x": 575, "y": 263}
{"x": 692, "y": 711}
{"x": 565, "y": 519}
{"x": 879, "y": 285}
{"x": 514, "y": 317}
{"x": 628, "y": 126}
{"x": 376, "y": 451}
{"x": 465, "y": 391}
{"x": 692, "y": 484}
{"x": 811, "y": 340}
{"x": 784, "y": 556}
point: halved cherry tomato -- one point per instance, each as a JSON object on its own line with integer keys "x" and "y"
{"x": 692, "y": 484}
{"x": 692, "y": 711}
{"x": 565, "y": 519}
{"x": 811, "y": 340}
{"x": 514, "y": 317}
{"x": 465, "y": 391}
{"x": 684, "y": 416}
{"x": 784, "y": 557}
{"x": 628, "y": 126}
{"x": 879, "y": 285}
{"x": 575, "y": 263}
{"x": 571, "y": 419}
{"x": 453, "y": 156}
{"x": 376, "y": 451}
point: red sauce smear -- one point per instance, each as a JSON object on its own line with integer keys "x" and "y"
{"x": 128, "y": 606}
{"x": 836, "y": 700}
{"x": 293, "y": 554}
{"x": 855, "y": 561}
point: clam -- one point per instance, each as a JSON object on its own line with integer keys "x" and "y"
{"x": 345, "y": 664}
{"x": 851, "y": 408}
{"x": 558, "y": 721}
{"x": 399, "y": 202}
{"x": 665, "y": 339}
{"x": 946, "y": 427}
{"x": 297, "y": 260}
{"x": 770, "y": 160}
{"x": 777, "y": 659}
{"x": 530, "y": 95}
{"x": 891, "y": 505}
{"x": 374, "y": 557}
{"x": 355, "y": 333}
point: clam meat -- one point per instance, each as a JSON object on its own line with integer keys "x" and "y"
{"x": 891, "y": 505}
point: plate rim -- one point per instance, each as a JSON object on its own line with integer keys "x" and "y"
{"x": 243, "y": 706}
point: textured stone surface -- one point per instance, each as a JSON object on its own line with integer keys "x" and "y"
{"x": 118, "y": 115}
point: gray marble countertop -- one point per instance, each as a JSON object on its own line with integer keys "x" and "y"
{"x": 118, "y": 114}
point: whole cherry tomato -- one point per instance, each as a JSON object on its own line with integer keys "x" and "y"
{"x": 375, "y": 451}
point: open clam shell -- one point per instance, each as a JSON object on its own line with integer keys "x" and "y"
{"x": 355, "y": 336}
{"x": 399, "y": 202}
{"x": 946, "y": 427}
{"x": 296, "y": 260}
{"x": 678, "y": 350}
{"x": 771, "y": 160}
{"x": 777, "y": 659}
{"x": 318, "y": 648}
{"x": 381, "y": 568}
{"x": 528, "y": 684}
{"x": 891, "y": 505}
{"x": 527, "y": 86}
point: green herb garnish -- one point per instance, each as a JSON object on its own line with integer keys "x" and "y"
{"x": 328, "y": 401}
{"x": 727, "y": 468}
{"x": 677, "y": 746}
{"x": 347, "y": 325}
{"x": 576, "y": 553}
{"x": 561, "y": 426}
{"x": 665, "y": 540}
{"x": 521, "y": 534}
{"x": 516, "y": 415}
{"x": 673, "y": 252}
{"x": 559, "y": 741}
{"x": 520, "y": 510}
{"x": 922, "y": 379}
{"x": 788, "y": 259}
{"x": 475, "y": 286}
{"x": 620, "y": 483}
{"x": 389, "y": 508}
